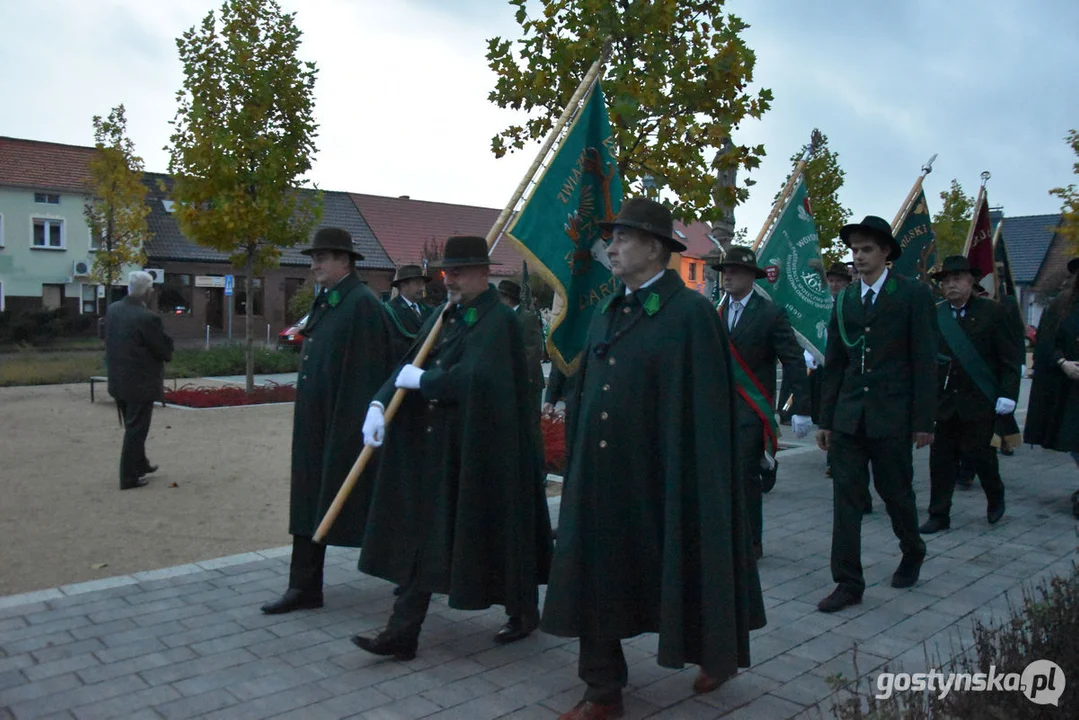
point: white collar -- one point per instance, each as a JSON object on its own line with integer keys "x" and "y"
{"x": 648, "y": 282}
{"x": 875, "y": 287}
{"x": 742, "y": 300}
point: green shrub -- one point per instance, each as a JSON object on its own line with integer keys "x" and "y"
{"x": 301, "y": 302}
{"x": 229, "y": 360}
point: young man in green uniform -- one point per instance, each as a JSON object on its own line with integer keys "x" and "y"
{"x": 407, "y": 310}
{"x": 980, "y": 380}
{"x": 652, "y": 531}
{"x": 345, "y": 358}
{"x": 760, "y": 336}
{"x": 458, "y": 506}
{"x": 879, "y": 398}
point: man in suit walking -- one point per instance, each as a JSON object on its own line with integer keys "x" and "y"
{"x": 136, "y": 350}
{"x": 879, "y": 397}
{"x": 980, "y": 369}
{"x": 760, "y": 335}
{"x": 406, "y": 309}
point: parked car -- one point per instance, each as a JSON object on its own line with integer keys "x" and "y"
{"x": 290, "y": 337}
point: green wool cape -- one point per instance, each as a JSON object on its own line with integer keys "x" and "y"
{"x": 1053, "y": 414}
{"x": 653, "y": 534}
{"x": 346, "y": 357}
{"x": 459, "y": 498}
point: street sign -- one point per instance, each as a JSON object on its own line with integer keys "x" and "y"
{"x": 229, "y": 282}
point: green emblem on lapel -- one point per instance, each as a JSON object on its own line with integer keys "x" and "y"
{"x": 651, "y": 305}
{"x": 471, "y": 316}
{"x": 889, "y": 286}
{"x": 333, "y": 298}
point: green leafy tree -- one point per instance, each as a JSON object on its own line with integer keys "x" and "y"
{"x": 244, "y": 135}
{"x": 675, "y": 83}
{"x": 952, "y": 224}
{"x": 823, "y": 178}
{"x": 116, "y": 211}
{"x": 1069, "y": 226}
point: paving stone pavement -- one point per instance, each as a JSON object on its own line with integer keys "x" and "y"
{"x": 189, "y": 641}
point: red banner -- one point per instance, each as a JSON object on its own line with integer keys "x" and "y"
{"x": 980, "y": 253}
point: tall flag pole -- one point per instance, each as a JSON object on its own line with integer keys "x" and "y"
{"x": 781, "y": 202}
{"x": 557, "y": 228}
{"x": 573, "y": 107}
{"x": 913, "y": 229}
{"x": 979, "y": 245}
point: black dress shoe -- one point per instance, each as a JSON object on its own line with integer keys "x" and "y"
{"x": 140, "y": 482}
{"x": 995, "y": 512}
{"x": 840, "y": 598}
{"x": 768, "y": 478}
{"x": 293, "y": 600}
{"x": 907, "y": 573}
{"x": 385, "y": 643}
{"x": 148, "y": 469}
{"x": 935, "y": 523}
{"x": 518, "y": 627}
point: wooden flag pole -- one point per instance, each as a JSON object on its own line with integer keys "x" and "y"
{"x": 781, "y": 201}
{"x": 977, "y": 213}
{"x": 993, "y": 245}
{"x": 904, "y": 209}
{"x": 495, "y": 231}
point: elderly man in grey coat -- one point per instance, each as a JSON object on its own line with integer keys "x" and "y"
{"x": 136, "y": 350}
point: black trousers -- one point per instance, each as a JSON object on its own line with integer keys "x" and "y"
{"x": 893, "y": 475}
{"x": 308, "y": 559}
{"x": 133, "y": 462}
{"x": 750, "y": 457}
{"x": 602, "y": 665}
{"x": 954, "y": 439}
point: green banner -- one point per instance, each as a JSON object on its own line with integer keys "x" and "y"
{"x": 557, "y": 233}
{"x": 791, "y": 257}
{"x": 919, "y": 245}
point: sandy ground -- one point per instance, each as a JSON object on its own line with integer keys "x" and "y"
{"x": 62, "y": 515}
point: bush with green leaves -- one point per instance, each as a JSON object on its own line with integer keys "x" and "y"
{"x": 229, "y": 360}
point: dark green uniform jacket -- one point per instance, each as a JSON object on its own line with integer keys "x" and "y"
{"x": 895, "y": 393}
{"x": 405, "y": 322}
{"x": 763, "y": 336}
{"x": 459, "y": 496}
{"x": 1053, "y": 415}
{"x": 136, "y": 350}
{"x": 653, "y": 534}
{"x": 991, "y": 335}
{"x": 346, "y": 357}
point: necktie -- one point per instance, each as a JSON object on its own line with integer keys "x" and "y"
{"x": 867, "y": 301}
{"x": 735, "y": 313}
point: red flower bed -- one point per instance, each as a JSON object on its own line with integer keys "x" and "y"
{"x": 554, "y": 443}
{"x": 209, "y": 397}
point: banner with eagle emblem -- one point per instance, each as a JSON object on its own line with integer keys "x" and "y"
{"x": 557, "y": 232}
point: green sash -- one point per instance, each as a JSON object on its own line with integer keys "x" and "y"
{"x": 965, "y": 352}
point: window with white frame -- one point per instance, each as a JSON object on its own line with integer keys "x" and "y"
{"x": 48, "y": 233}
{"x": 46, "y": 198}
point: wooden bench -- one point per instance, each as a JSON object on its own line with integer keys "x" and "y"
{"x": 103, "y": 379}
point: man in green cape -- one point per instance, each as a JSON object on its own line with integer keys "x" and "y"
{"x": 1053, "y": 415}
{"x": 653, "y": 535}
{"x": 458, "y": 505}
{"x": 345, "y": 358}
{"x": 880, "y": 396}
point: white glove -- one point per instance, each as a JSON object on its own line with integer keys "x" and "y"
{"x": 811, "y": 360}
{"x": 1005, "y": 406}
{"x": 560, "y": 407}
{"x": 409, "y": 377}
{"x": 374, "y": 426}
{"x": 801, "y": 425}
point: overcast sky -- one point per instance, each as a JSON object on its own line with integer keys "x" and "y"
{"x": 402, "y": 91}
